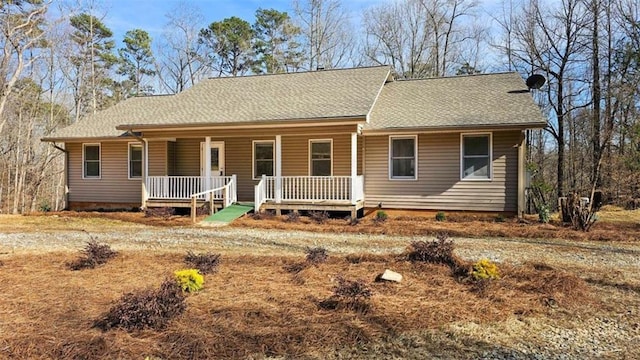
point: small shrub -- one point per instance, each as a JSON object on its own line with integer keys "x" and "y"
{"x": 92, "y": 255}
{"x": 45, "y": 207}
{"x": 316, "y": 255}
{"x": 263, "y": 215}
{"x": 352, "y": 221}
{"x": 319, "y": 217}
{"x": 204, "y": 210}
{"x": 207, "y": 263}
{"x": 292, "y": 217}
{"x": 543, "y": 214}
{"x": 499, "y": 218}
{"x": 439, "y": 251}
{"x": 190, "y": 280}
{"x": 440, "y": 216}
{"x": 161, "y": 212}
{"x": 485, "y": 269}
{"x": 146, "y": 309}
{"x": 351, "y": 294}
{"x": 381, "y": 216}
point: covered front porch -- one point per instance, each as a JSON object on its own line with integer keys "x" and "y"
{"x": 271, "y": 191}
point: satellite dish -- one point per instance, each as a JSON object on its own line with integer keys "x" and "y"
{"x": 535, "y": 81}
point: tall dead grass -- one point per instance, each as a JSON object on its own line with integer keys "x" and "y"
{"x": 252, "y": 307}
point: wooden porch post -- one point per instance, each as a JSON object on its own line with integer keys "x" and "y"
{"x": 207, "y": 166}
{"x": 278, "y": 169}
{"x": 354, "y": 166}
{"x": 145, "y": 172}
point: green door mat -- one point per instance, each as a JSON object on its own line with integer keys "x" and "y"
{"x": 229, "y": 213}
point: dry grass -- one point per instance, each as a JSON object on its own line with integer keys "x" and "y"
{"x": 614, "y": 224}
{"x": 252, "y": 307}
{"x": 458, "y": 225}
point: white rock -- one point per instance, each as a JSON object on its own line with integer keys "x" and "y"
{"x": 389, "y": 275}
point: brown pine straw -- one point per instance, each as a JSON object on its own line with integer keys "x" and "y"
{"x": 252, "y": 307}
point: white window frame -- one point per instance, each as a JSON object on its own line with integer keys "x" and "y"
{"x": 490, "y": 162}
{"x": 129, "y": 145}
{"x": 84, "y": 167}
{"x": 390, "y": 158}
{"x": 330, "y": 141}
{"x": 253, "y": 156}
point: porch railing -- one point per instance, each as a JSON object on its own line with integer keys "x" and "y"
{"x": 227, "y": 193}
{"x": 309, "y": 189}
{"x": 183, "y": 187}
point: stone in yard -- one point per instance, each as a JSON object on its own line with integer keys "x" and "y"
{"x": 389, "y": 275}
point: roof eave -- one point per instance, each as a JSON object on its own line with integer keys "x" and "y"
{"x": 87, "y": 138}
{"x": 257, "y": 123}
{"x": 520, "y": 126}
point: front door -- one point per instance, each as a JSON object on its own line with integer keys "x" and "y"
{"x": 217, "y": 158}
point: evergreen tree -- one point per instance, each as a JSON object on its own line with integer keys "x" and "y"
{"x": 136, "y": 60}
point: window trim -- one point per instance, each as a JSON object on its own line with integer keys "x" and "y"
{"x": 311, "y": 141}
{"x": 490, "y": 163}
{"x": 84, "y": 161}
{"x": 390, "y": 158}
{"x": 253, "y": 156}
{"x": 129, "y": 160}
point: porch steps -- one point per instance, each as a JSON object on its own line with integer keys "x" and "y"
{"x": 228, "y": 214}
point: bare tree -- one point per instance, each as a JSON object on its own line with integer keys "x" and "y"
{"x": 180, "y": 62}
{"x": 551, "y": 40}
{"x": 424, "y": 37}
{"x": 20, "y": 27}
{"x": 326, "y": 32}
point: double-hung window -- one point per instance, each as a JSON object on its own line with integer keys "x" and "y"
{"x": 135, "y": 161}
{"x": 476, "y": 157}
{"x": 320, "y": 157}
{"x": 91, "y": 161}
{"x": 403, "y": 157}
{"x": 263, "y": 158}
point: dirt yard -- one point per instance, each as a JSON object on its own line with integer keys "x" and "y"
{"x": 557, "y": 298}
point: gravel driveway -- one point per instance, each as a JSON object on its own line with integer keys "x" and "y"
{"x": 614, "y": 334}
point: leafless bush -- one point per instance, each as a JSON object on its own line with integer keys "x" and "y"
{"x": 149, "y": 309}
{"x": 319, "y": 217}
{"x": 292, "y": 217}
{"x": 316, "y": 255}
{"x": 92, "y": 255}
{"x": 162, "y": 212}
{"x": 207, "y": 263}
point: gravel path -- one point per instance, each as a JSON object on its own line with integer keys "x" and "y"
{"x": 613, "y": 335}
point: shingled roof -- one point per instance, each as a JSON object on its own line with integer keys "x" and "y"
{"x": 102, "y": 125}
{"x": 493, "y": 100}
{"x": 473, "y": 101}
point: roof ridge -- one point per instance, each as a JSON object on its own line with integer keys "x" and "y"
{"x": 298, "y": 72}
{"x": 457, "y": 76}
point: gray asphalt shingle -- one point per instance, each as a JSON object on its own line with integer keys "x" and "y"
{"x": 456, "y": 102}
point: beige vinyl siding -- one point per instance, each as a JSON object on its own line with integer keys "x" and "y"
{"x": 239, "y": 159}
{"x": 438, "y": 186}
{"x": 158, "y": 158}
{"x": 295, "y": 154}
{"x": 187, "y": 157}
{"x": 113, "y": 186}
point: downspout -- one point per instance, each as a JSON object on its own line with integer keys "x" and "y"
{"x": 66, "y": 174}
{"x": 145, "y": 167}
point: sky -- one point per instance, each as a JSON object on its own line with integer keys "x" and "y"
{"x": 150, "y": 15}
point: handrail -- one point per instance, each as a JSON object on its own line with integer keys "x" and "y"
{"x": 226, "y": 199}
